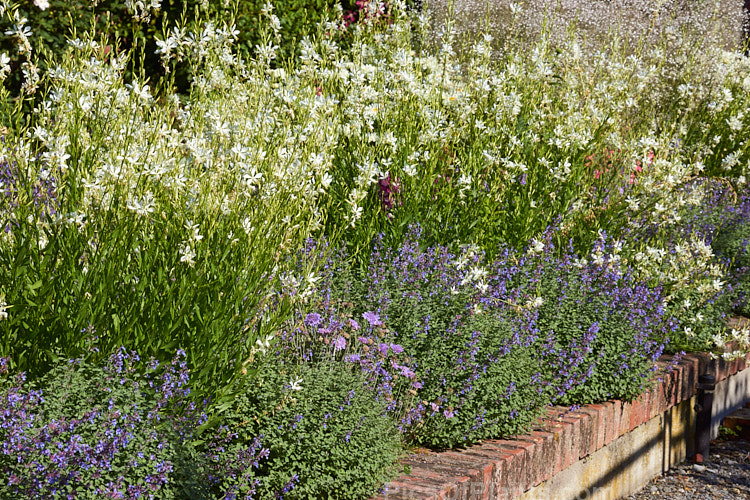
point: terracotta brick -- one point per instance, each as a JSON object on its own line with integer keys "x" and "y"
{"x": 636, "y": 409}
{"x": 676, "y": 388}
{"x": 563, "y": 433}
{"x": 468, "y": 463}
{"x": 573, "y": 451}
{"x": 659, "y": 400}
{"x": 502, "y": 469}
{"x": 735, "y": 366}
{"x": 623, "y": 421}
{"x": 408, "y": 488}
{"x": 526, "y": 459}
{"x": 616, "y": 419}
{"x": 538, "y": 464}
{"x": 694, "y": 363}
{"x": 447, "y": 471}
{"x": 597, "y": 426}
{"x": 607, "y": 417}
{"x": 514, "y": 471}
{"x": 686, "y": 381}
{"x": 639, "y": 411}
{"x": 646, "y": 410}
{"x": 587, "y": 439}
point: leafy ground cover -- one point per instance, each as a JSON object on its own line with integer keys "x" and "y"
{"x": 274, "y": 279}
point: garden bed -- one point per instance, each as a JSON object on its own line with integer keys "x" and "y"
{"x": 268, "y": 268}
{"x": 605, "y": 450}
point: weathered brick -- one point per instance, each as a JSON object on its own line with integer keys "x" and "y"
{"x": 597, "y": 426}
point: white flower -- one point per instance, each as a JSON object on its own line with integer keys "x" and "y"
{"x": 537, "y": 302}
{"x": 4, "y": 65}
{"x": 3, "y": 308}
{"x": 633, "y": 203}
{"x": 195, "y": 230}
{"x": 537, "y": 247}
{"x": 187, "y": 254}
{"x": 295, "y": 384}
{"x": 263, "y": 345}
{"x": 42, "y": 4}
{"x": 141, "y": 206}
{"x": 140, "y": 92}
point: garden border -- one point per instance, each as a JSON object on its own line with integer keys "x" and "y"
{"x": 606, "y": 450}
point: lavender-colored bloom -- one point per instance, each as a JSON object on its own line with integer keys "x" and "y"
{"x": 372, "y": 318}
{"x": 339, "y": 344}
{"x": 313, "y": 319}
{"x": 383, "y": 349}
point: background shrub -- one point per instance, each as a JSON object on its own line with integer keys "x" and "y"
{"x": 116, "y": 24}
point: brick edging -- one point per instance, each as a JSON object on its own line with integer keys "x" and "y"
{"x": 508, "y": 467}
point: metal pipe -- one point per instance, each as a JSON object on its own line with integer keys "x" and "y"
{"x": 706, "y": 386}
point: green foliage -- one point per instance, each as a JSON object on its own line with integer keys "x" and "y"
{"x": 298, "y": 18}
{"x": 327, "y": 434}
{"x": 97, "y": 429}
{"x": 607, "y": 330}
{"x": 109, "y": 20}
{"x": 475, "y": 360}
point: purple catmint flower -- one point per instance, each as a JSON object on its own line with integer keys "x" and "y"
{"x": 339, "y": 344}
{"x": 383, "y": 349}
{"x": 372, "y": 318}
{"x": 313, "y": 319}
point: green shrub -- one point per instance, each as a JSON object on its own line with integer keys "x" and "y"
{"x": 98, "y": 430}
{"x": 606, "y": 327}
{"x": 327, "y": 435}
{"x": 113, "y": 23}
{"x": 474, "y": 358}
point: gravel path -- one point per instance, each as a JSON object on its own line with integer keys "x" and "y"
{"x": 725, "y": 476}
